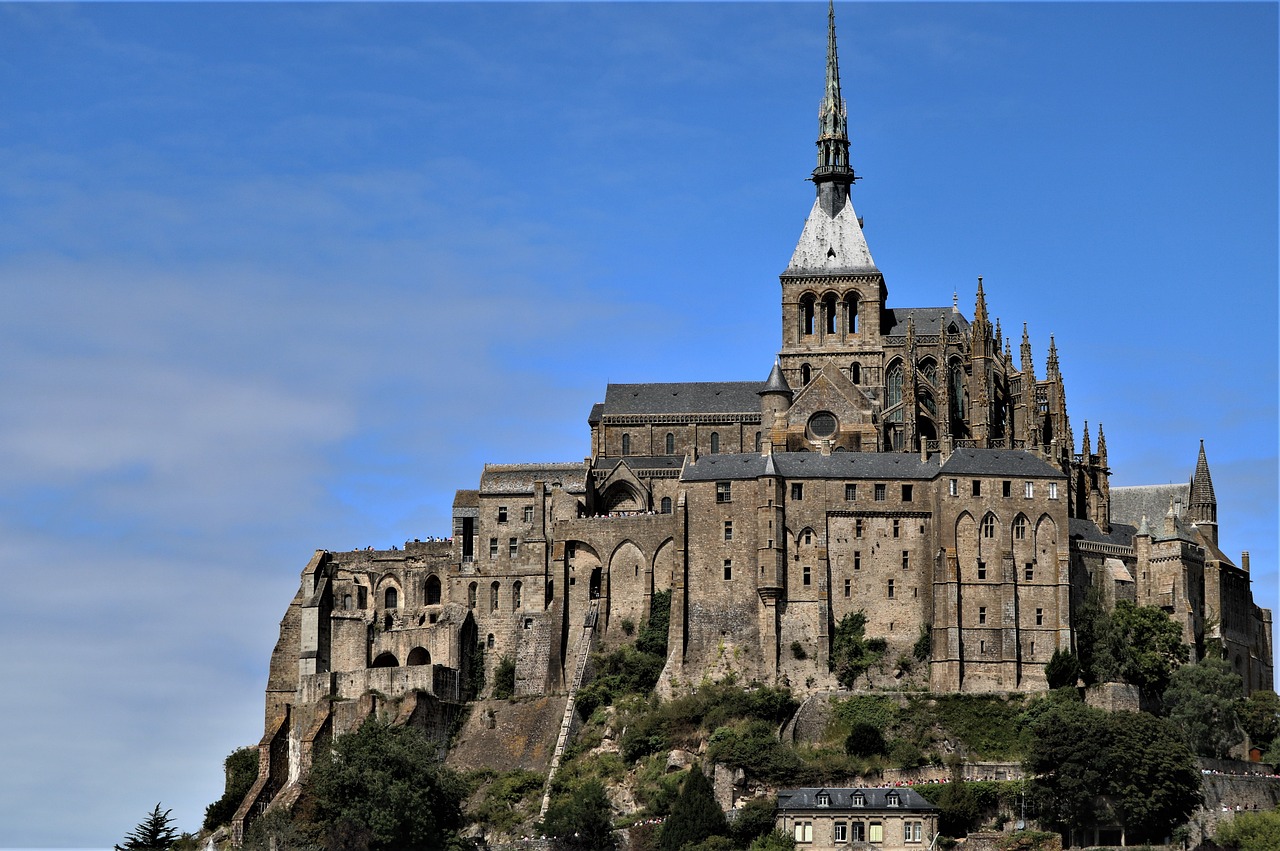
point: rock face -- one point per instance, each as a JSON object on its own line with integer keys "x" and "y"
{"x": 507, "y": 735}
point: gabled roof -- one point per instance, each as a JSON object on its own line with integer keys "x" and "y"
{"x": 1130, "y": 504}
{"x": 519, "y": 478}
{"x": 929, "y": 320}
{"x": 999, "y": 462}
{"x": 842, "y": 799}
{"x": 811, "y": 465}
{"x": 693, "y": 397}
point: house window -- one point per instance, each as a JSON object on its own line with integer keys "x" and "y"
{"x": 982, "y": 569}
{"x": 528, "y": 514}
{"x": 1053, "y": 490}
{"x": 728, "y": 530}
{"x": 953, "y": 487}
{"x": 724, "y": 492}
{"x": 1020, "y": 528}
{"x": 892, "y": 800}
{"x": 841, "y": 832}
{"x": 982, "y": 614}
{"x": 880, "y": 493}
{"x": 666, "y": 505}
{"x": 912, "y": 831}
{"x": 897, "y": 527}
{"x": 804, "y": 831}
{"x": 890, "y": 590}
{"x": 848, "y": 587}
{"x": 797, "y": 490}
{"x": 850, "y": 492}
{"x": 502, "y": 514}
{"x": 1029, "y": 489}
{"x": 715, "y": 442}
{"x": 493, "y": 548}
{"x": 823, "y": 799}
{"x": 391, "y": 599}
{"x": 875, "y": 832}
{"x": 804, "y": 574}
{"x": 1029, "y": 573}
{"x": 858, "y": 831}
{"x": 1039, "y": 617}
{"x": 977, "y": 487}
{"x": 670, "y": 444}
{"x": 858, "y": 800}
{"x": 728, "y": 568}
{"x": 857, "y": 527}
{"x": 1006, "y": 489}
{"x": 989, "y": 526}
{"x": 513, "y": 547}
{"x": 626, "y": 444}
{"x": 906, "y": 559}
{"x": 857, "y": 560}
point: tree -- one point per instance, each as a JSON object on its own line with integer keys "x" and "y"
{"x": 1202, "y": 702}
{"x": 865, "y": 740}
{"x": 581, "y": 818}
{"x": 695, "y": 815}
{"x": 382, "y": 788}
{"x": 153, "y": 833}
{"x": 1066, "y": 776}
{"x": 1260, "y": 718}
{"x": 1258, "y": 831}
{"x": 1153, "y": 647}
{"x": 775, "y": 841}
{"x": 852, "y": 653}
{"x": 755, "y": 819}
{"x": 1153, "y": 778}
{"x": 241, "y": 769}
{"x": 1063, "y": 669}
{"x": 504, "y": 679}
{"x": 1096, "y": 641}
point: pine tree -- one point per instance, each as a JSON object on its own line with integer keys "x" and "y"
{"x": 695, "y": 815}
{"x": 154, "y": 833}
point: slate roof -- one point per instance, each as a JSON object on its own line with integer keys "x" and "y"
{"x": 1086, "y": 530}
{"x": 653, "y": 462}
{"x": 692, "y": 397}
{"x": 519, "y": 478}
{"x": 811, "y": 465}
{"x": 1129, "y": 504}
{"x": 597, "y": 411}
{"x": 929, "y": 320}
{"x": 466, "y": 499}
{"x": 831, "y": 244}
{"x": 999, "y": 462}
{"x": 842, "y": 799}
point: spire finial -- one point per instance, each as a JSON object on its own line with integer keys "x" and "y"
{"x": 833, "y": 121}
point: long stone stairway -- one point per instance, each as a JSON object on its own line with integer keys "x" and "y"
{"x": 582, "y": 651}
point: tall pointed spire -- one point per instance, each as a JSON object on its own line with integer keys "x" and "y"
{"x": 833, "y": 121}
{"x": 1203, "y": 509}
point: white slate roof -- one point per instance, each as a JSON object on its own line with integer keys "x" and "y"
{"x": 831, "y": 244}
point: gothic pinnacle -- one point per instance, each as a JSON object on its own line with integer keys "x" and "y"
{"x": 833, "y": 120}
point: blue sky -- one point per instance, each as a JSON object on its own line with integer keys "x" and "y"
{"x": 281, "y": 277}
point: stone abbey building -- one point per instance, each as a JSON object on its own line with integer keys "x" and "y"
{"x": 902, "y": 462}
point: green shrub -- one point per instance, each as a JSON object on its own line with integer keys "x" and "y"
{"x": 865, "y": 740}
{"x": 241, "y": 769}
{"x": 504, "y": 678}
{"x": 797, "y": 651}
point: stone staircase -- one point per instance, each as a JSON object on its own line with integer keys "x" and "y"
{"x": 582, "y": 652}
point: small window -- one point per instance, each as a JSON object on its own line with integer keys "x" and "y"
{"x": 666, "y": 505}
{"x": 1029, "y": 572}
{"x": 626, "y": 444}
{"x": 982, "y": 646}
{"x": 907, "y": 492}
{"x": 502, "y": 514}
{"x": 346, "y": 602}
{"x": 724, "y": 492}
{"x": 808, "y": 536}
{"x": 797, "y": 490}
{"x": 715, "y": 442}
{"x": 670, "y": 444}
{"x": 906, "y": 559}
{"x": 493, "y": 597}
{"x": 977, "y": 487}
{"x": 1019, "y": 528}
{"x": 804, "y": 831}
{"x": 517, "y": 595}
{"x": 528, "y": 514}
{"x": 432, "y": 591}
{"x": 897, "y": 527}
{"x": 1006, "y": 489}
{"x": 728, "y": 569}
{"x": 850, "y": 492}
{"x": 804, "y": 575}
{"x": 471, "y": 595}
{"x": 805, "y": 373}
{"x": 982, "y": 614}
{"x": 571, "y": 548}
{"x": 1029, "y": 489}
{"x": 493, "y": 548}
{"x": 1053, "y": 490}
{"x": 848, "y": 588}
{"x": 513, "y": 547}
{"x": 858, "y": 800}
{"x": 880, "y": 493}
{"x": 841, "y": 832}
{"x": 890, "y": 589}
{"x": 989, "y": 526}
{"x": 823, "y": 799}
{"x": 758, "y": 443}
{"x": 855, "y": 373}
{"x": 953, "y": 487}
{"x": 1039, "y": 617}
{"x": 982, "y": 569}
{"x": 857, "y": 560}
{"x": 728, "y": 530}
{"x": 857, "y": 527}
{"x": 892, "y": 800}
{"x": 875, "y": 832}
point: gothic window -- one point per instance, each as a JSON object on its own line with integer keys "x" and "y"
{"x": 989, "y": 526}
{"x": 517, "y": 595}
{"x": 666, "y": 505}
{"x": 855, "y": 373}
{"x": 823, "y": 425}
{"x": 391, "y": 599}
{"x": 671, "y": 444}
{"x": 433, "y": 590}
{"x": 493, "y": 597}
{"x": 757, "y": 441}
{"x": 715, "y": 442}
{"x": 805, "y": 373}
{"x": 929, "y": 369}
{"x": 893, "y": 385}
{"x": 1020, "y": 528}
{"x": 626, "y": 444}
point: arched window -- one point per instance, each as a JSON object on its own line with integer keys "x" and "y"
{"x": 493, "y": 597}
{"x": 955, "y": 386}
{"x": 433, "y": 590}
{"x": 418, "y": 656}
{"x": 805, "y": 373}
{"x": 666, "y": 505}
{"x": 715, "y": 442}
{"x": 517, "y": 595}
{"x": 488, "y": 642}
{"x": 757, "y": 441}
{"x": 471, "y": 596}
{"x": 626, "y": 444}
{"x": 851, "y": 310}
{"x": 989, "y": 526}
{"x": 346, "y": 602}
{"x": 806, "y": 314}
{"x": 829, "y": 308}
{"x": 1020, "y": 528}
{"x": 671, "y": 444}
{"x": 855, "y": 373}
{"x": 391, "y": 599}
{"x": 893, "y": 385}
{"x": 385, "y": 660}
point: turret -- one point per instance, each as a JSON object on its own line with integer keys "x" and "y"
{"x": 1203, "y": 510}
{"x": 775, "y": 400}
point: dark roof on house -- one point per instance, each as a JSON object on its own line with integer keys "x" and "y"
{"x": 653, "y": 462}
{"x": 466, "y": 499}
{"x": 811, "y": 465}
{"x": 842, "y": 799}
{"x": 597, "y": 411}
{"x": 693, "y": 397}
{"x": 929, "y": 320}
{"x": 999, "y": 462}
{"x": 1086, "y": 530}
{"x": 1129, "y": 504}
{"x": 519, "y": 478}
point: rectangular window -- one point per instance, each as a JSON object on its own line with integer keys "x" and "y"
{"x": 502, "y": 514}
{"x": 493, "y": 548}
{"x": 897, "y": 527}
{"x": 912, "y": 831}
{"x": 1053, "y": 490}
{"x": 728, "y": 568}
{"x": 728, "y": 530}
{"x": 513, "y": 547}
{"x": 906, "y": 559}
{"x": 1029, "y": 489}
{"x": 890, "y": 590}
{"x": 848, "y": 587}
{"x": 953, "y": 487}
{"x": 1039, "y": 617}
{"x": 875, "y": 832}
{"x": 982, "y": 647}
{"x": 797, "y": 490}
{"x": 1030, "y": 572}
{"x": 724, "y": 492}
{"x": 528, "y": 514}
{"x": 982, "y": 614}
{"x": 857, "y": 528}
{"x": 1006, "y": 489}
{"x": 571, "y": 548}
{"x": 841, "y": 833}
{"x": 880, "y": 493}
{"x": 858, "y": 831}
{"x": 857, "y": 560}
{"x": 976, "y": 485}
{"x": 907, "y": 492}
{"x": 982, "y": 570}
{"x": 850, "y": 493}
{"x": 804, "y": 574}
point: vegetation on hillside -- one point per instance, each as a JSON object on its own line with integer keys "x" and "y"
{"x": 241, "y": 769}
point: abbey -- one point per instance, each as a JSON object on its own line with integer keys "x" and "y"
{"x": 900, "y": 462}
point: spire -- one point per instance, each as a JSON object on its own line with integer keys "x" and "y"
{"x": 1085, "y": 449}
{"x": 1051, "y": 368}
{"x": 1028, "y": 365}
{"x": 777, "y": 382}
{"x": 1102, "y": 447}
{"x": 833, "y": 122}
{"x": 980, "y": 308}
{"x": 1202, "y": 483}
